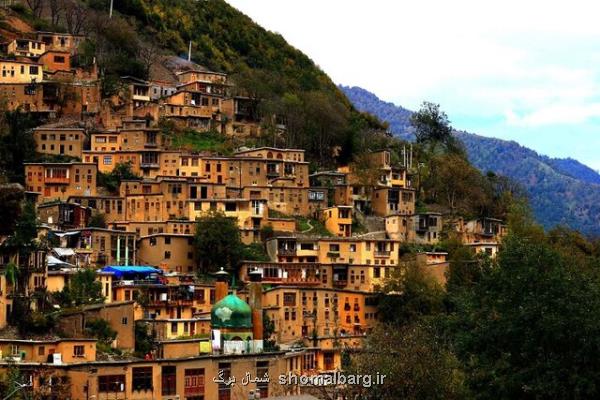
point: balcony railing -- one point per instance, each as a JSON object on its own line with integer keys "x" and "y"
{"x": 382, "y": 253}
{"x": 59, "y": 180}
{"x": 340, "y": 283}
{"x": 150, "y": 164}
{"x": 287, "y": 252}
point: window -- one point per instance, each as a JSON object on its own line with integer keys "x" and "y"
{"x": 167, "y": 240}
{"x": 124, "y": 321}
{"x": 289, "y": 299}
{"x": 194, "y": 382}
{"x": 33, "y": 70}
{"x": 312, "y": 195}
{"x": 78, "y": 351}
{"x": 141, "y": 378}
{"x": 262, "y": 369}
{"x": 111, "y": 383}
{"x": 107, "y": 160}
{"x": 41, "y": 351}
{"x": 224, "y": 390}
{"x": 167, "y": 255}
{"x": 169, "y": 380}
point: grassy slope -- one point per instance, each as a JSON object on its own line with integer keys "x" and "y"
{"x": 224, "y": 39}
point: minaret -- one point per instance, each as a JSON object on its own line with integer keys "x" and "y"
{"x": 222, "y": 285}
{"x": 255, "y": 303}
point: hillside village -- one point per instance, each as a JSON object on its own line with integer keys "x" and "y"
{"x": 103, "y": 257}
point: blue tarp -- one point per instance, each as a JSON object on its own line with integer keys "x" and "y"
{"x": 121, "y": 271}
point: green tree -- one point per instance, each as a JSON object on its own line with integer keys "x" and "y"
{"x": 254, "y": 252}
{"x": 417, "y": 365}
{"x": 432, "y": 128}
{"x": 82, "y": 289}
{"x": 97, "y": 220}
{"x": 101, "y": 330}
{"x": 11, "y": 380}
{"x": 11, "y": 198}
{"x": 16, "y": 143}
{"x": 112, "y": 180}
{"x": 409, "y": 294}
{"x": 218, "y": 242}
{"x": 465, "y": 267}
{"x": 270, "y": 344}
{"x": 529, "y": 327}
{"x": 144, "y": 343}
{"x": 454, "y": 183}
{"x": 19, "y": 247}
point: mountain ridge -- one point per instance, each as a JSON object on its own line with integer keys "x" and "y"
{"x": 562, "y": 191}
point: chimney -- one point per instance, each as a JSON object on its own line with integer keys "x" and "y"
{"x": 222, "y": 285}
{"x": 255, "y": 303}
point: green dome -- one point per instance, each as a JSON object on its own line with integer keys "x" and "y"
{"x": 231, "y": 312}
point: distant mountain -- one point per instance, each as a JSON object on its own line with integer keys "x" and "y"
{"x": 398, "y": 117}
{"x": 575, "y": 169}
{"x": 561, "y": 191}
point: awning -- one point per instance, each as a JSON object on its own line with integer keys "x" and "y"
{"x": 131, "y": 271}
{"x": 54, "y": 262}
{"x": 61, "y": 234}
{"x": 63, "y": 251}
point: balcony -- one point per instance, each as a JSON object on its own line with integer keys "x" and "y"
{"x": 382, "y": 253}
{"x": 333, "y": 254}
{"x": 59, "y": 180}
{"x": 149, "y": 164}
{"x": 340, "y": 283}
{"x": 151, "y": 145}
{"x": 286, "y": 252}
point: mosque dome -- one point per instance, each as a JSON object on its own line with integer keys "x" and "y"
{"x": 231, "y": 312}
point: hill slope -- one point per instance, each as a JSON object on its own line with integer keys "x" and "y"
{"x": 561, "y": 191}
{"x": 261, "y": 64}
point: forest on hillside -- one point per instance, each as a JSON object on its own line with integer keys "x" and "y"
{"x": 561, "y": 191}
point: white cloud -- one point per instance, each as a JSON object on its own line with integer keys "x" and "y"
{"x": 552, "y": 115}
{"x": 526, "y": 64}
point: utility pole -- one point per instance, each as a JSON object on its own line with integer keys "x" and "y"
{"x": 189, "y": 51}
{"x": 111, "y": 9}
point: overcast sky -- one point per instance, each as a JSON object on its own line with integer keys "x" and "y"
{"x": 522, "y": 70}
